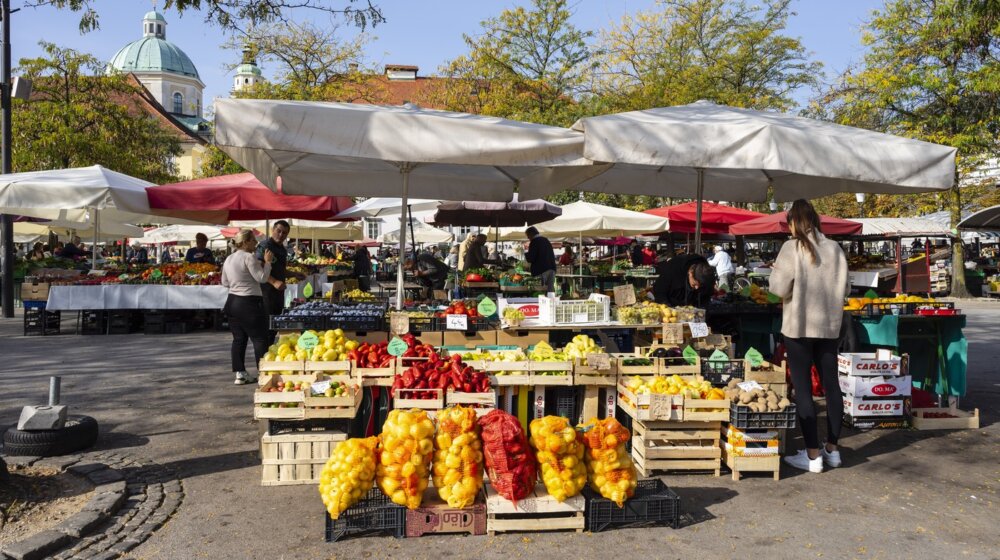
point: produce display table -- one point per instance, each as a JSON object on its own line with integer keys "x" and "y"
{"x": 135, "y": 296}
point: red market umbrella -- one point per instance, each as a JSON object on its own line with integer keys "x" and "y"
{"x": 245, "y": 198}
{"x": 715, "y": 218}
{"x": 778, "y": 224}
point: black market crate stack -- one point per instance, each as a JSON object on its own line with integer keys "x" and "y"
{"x": 313, "y": 404}
{"x": 38, "y": 321}
{"x": 753, "y": 440}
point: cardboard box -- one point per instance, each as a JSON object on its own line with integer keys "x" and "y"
{"x": 521, "y": 338}
{"x": 469, "y": 340}
{"x": 870, "y": 364}
{"x": 436, "y": 516}
{"x": 865, "y": 406}
{"x": 877, "y": 422}
{"x": 528, "y": 306}
{"x": 900, "y": 386}
{"x": 35, "y": 292}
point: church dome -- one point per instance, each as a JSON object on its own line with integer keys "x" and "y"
{"x": 153, "y": 53}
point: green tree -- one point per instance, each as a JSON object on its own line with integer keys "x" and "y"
{"x": 234, "y": 14}
{"x": 732, "y": 52}
{"x": 932, "y": 71}
{"x": 78, "y": 116}
{"x": 215, "y": 162}
{"x": 526, "y": 64}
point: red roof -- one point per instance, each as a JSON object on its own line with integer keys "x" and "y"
{"x": 715, "y": 218}
{"x": 245, "y": 198}
{"x": 778, "y": 224}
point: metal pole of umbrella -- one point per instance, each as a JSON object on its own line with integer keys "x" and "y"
{"x": 6, "y": 220}
{"x": 404, "y": 207}
{"x": 413, "y": 236}
{"x": 97, "y": 229}
{"x": 697, "y": 224}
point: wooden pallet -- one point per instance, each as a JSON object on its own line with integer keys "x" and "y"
{"x": 535, "y": 513}
{"x": 676, "y": 446}
{"x": 296, "y": 458}
{"x": 740, "y": 464}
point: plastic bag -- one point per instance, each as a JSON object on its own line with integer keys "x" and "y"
{"x": 348, "y": 474}
{"x": 559, "y": 449}
{"x": 458, "y": 457}
{"x": 509, "y": 459}
{"x": 405, "y": 456}
{"x": 609, "y": 466}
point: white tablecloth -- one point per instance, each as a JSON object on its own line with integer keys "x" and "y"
{"x": 135, "y": 296}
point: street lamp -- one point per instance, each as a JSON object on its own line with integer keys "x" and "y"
{"x": 773, "y": 206}
{"x": 860, "y": 197}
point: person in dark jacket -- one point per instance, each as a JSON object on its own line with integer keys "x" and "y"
{"x": 273, "y": 289}
{"x": 542, "y": 258}
{"x": 636, "y": 253}
{"x": 430, "y": 272}
{"x": 200, "y": 253}
{"x": 684, "y": 280}
{"x": 363, "y": 267}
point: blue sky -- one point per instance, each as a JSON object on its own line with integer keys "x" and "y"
{"x": 423, "y": 33}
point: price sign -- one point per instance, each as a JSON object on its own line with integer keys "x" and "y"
{"x": 749, "y": 385}
{"x": 718, "y": 356}
{"x": 320, "y": 387}
{"x": 307, "y": 290}
{"x": 487, "y": 307}
{"x": 308, "y": 341}
{"x": 457, "y": 322}
{"x": 660, "y": 406}
{"x": 699, "y": 330}
{"x": 397, "y": 347}
{"x": 439, "y": 295}
{"x": 673, "y": 333}
{"x": 599, "y": 361}
{"x": 156, "y": 274}
{"x": 624, "y": 295}
{"x": 690, "y": 355}
{"x": 399, "y": 323}
{"x": 754, "y": 357}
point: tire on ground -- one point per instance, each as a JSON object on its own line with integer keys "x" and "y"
{"x": 80, "y": 432}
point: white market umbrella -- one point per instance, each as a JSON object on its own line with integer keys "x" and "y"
{"x": 108, "y": 231}
{"x": 298, "y": 147}
{"x": 178, "y": 233}
{"x": 386, "y": 206}
{"x": 708, "y": 151}
{"x": 421, "y": 232}
{"x": 311, "y": 229}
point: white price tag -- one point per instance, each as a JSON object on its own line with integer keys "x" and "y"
{"x": 624, "y": 295}
{"x": 749, "y": 385}
{"x": 457, "y": 322}
{"x": 320, "y": 387}
{"x": 599, "y": 362}
{"x": 699, "y": 330}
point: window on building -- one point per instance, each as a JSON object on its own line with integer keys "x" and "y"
{"x": 373, "y": 229}
{"x": 178, "y": 103}
{"x": 246, "y": 80}
{"x": 464, "y": 231}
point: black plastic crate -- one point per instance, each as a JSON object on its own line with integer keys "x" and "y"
{"x": 298, "y": 323}
{"x": 278, "y": 427}
{"x": 901, "y": 308}
{"x": 473, "y": 324}
{"x": 39, "y": 322}
{"x": 721, "y": 372}
{"x": 652, "y": 504}
{"x": 177, "y": 327}
{"x": 220, "y": 321}
{"x": 92, "y": 322}
{"x": 357, "y": 324}
{"x": 375, "y": 513}
{"x": 740, "y": 416}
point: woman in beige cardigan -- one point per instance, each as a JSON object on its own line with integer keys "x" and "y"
{"x": 810, "y": 275}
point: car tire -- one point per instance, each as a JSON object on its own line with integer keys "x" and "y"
{"x": 80, "y": 432}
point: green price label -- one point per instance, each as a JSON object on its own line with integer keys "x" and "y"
{"x": 307, "y": 291}
{"x": 397, "y": 347}
{"x": 690, "y": 355}
{"x": 156, "y": 273}
{"x": 718, "y": 356}
{"x": 308, "y": 341}
{"x": 754, "y": 357}
{"x": 487, "y": 307}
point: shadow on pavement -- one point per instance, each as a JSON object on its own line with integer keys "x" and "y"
{"x": 696, "y": 500}
{"x": 198, "y": 466}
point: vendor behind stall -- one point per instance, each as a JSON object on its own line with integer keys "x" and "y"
{"x": 684, "y": 280}
{"x": 542, "y": 258}
{"x": 200, "y": 253}
{"x": 430, "y": 272}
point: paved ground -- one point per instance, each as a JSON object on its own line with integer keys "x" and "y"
{"x": 170, "y": 400}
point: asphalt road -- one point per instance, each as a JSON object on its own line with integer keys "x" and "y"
{"x": 170, "y": 399}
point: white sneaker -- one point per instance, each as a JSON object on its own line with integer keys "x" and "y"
{"x": 241, "y": 378}
{"x": 802, "y": 461}
{"x": 830, "y": 458}
{"x": 250, "y": 377}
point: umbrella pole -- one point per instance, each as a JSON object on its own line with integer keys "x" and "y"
{"x": 97, "y": 228}
{"x": 697, "y": 225}
{"x": 579, "y": 253}
{"x": 413, "y": 237}
{"x": 405, "y": 170}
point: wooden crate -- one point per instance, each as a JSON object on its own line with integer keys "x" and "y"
{"x": 332, "y": 369}
{"x": 740, "y": 464}
{"x": 650, "y": 407}
{"x": 624, "y": 370}
{"x": 535, "y": 513}
{"x": 771, "y": 373}
{"x": 563, "y": 380}
{"x": 585, "y": 375}
{"x": 375, "y": 377}
{"x": 676, "y": 446}
{"x": 269, "y": 367}
{"x": 263, "y": 397}
{"x": 480, "y": 401}
{"x": 704, "y": 410}
{"x": 964, "y": 421}
{"x": 334, "y": 407}
{"x": 404, "y": 399}
{"x": 296, "y": 458}
{"x": 518, "y": 380}
{"x": 435, "y": 516}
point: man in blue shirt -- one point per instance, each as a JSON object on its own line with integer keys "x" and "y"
{"x": 200, "y": 253}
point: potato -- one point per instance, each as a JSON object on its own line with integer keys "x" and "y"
{"x": 733, "y": 383}
{"x": 745, "y": 398}
{"x": 772, "y": 407}
{"x": 783, "y": 404}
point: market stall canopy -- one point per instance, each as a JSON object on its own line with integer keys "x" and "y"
{"x": 177, "y": 233}
{"x": 243, "y": 197}
{"x": 902, "y": 227}
{"x": 969, "y": 236}
{"x": 988, "y": 219}
{"x": 715, "y": 218}
{"x": 595, "y": 220}
{"x": 386, "y": 206}
{"x": 772, "y": 224}
{"x": 311, "y": 229}
{"x": 506, "y": 234}
{"x": 109, "y": 232}
{"x": 320, "y": 148}
{"x": 422, "y": 233}
{"x": 496, "y": 214}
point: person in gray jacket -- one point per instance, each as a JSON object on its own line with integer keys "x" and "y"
{"x": 810, "y": 275}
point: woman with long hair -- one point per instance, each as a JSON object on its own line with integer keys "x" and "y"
{"x": 243, "y": 274}
{"x": 810, "y": 275}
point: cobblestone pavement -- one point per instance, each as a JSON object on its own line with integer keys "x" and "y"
{"x": 167, "y": 403}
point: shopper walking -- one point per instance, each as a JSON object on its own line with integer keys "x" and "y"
{"x": 273, "y": 286}
{"x": 243, "y": 274}
{"x": 810, "y": 275}
{"x": 542, "y": 259}
{"x": 723, "y": 267}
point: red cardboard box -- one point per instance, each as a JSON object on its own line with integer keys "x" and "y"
{"x": 436, "y": 516}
